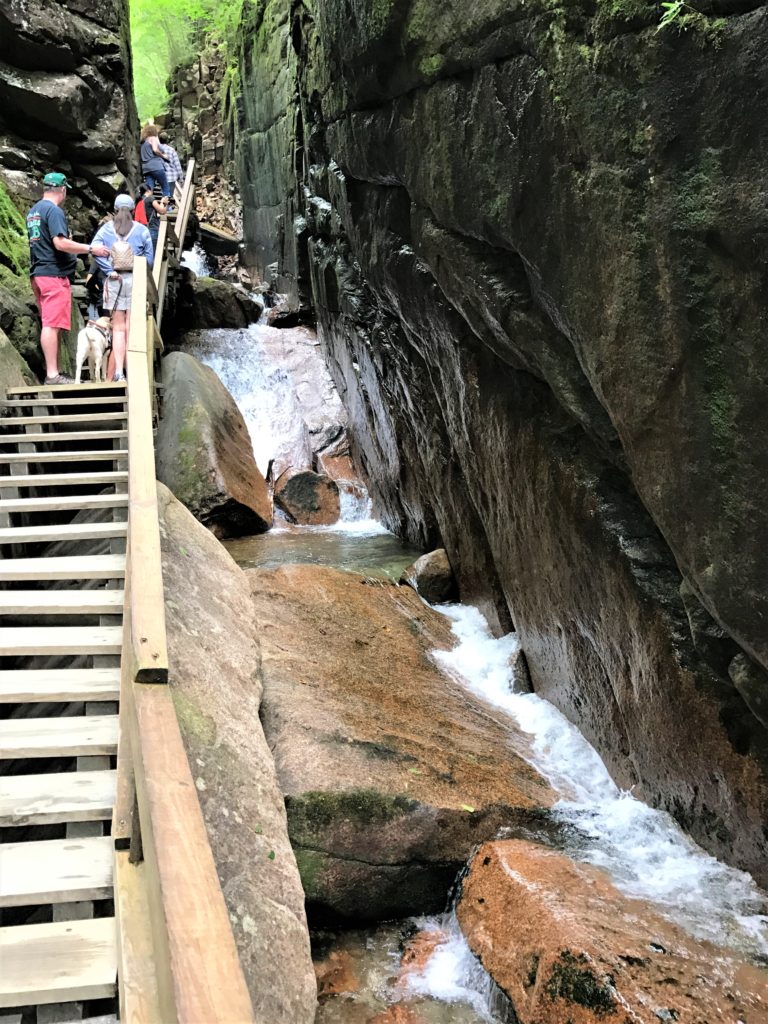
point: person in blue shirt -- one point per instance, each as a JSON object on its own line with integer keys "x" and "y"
{"x": 120, "y": 235}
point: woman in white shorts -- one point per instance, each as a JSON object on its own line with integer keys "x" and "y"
{"x": 117, "y": 235}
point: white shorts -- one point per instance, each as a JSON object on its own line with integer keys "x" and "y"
{"x": 117, "y": 294}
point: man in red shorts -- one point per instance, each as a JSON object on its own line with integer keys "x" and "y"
{"x": 53, "y": 258}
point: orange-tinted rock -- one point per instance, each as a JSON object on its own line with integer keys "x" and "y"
{"x": 567, "y": 948}
{"x": 419, "y": 949}
{"x": 398, "y": 1014}
{"x": 204, "y": 451}
{"x": 393, "y": 772}
{"x": 336, "y": 975}
{"x": 309, "y": 499}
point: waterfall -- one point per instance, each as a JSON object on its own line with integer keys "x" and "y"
{"x": 289, "y": 403}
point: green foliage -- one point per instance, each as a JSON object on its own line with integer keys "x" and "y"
{"x": 673, "y": 10}
{"x": 168, "y": 33}
{"x": 14, "y": 246}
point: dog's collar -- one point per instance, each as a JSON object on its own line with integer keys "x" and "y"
{"x": 102, "y": 332}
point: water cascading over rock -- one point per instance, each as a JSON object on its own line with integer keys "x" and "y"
{"x": 534, "y": 237}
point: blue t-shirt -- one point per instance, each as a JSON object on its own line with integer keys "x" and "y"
{"x": 45, "y": 221}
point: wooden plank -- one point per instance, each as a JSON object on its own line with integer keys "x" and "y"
{"x": 29, "y": 686}
{"x": 61, "y": 531}
{"x": 18, "y": 640}
{"x": 58, "y": 737}
{"x": 63, "y": 436}
{"x": 55, "y": 871}
{"x": 99, "y": 455}
{"x": 85, "y": 567}
{"x": 65, "y": 503}
{"x": 24, "y": 403}
{"x": 185, "y": 203}
{"x": 56, "y": 798}
{"x": 61, "y": 602}
{"x": 78, "y": 389}
{"x": 196, "y": 919}
{"x": 147, "y": 602}
{"x": 137, "y": 978}
{"x": 62, "y": 479}
{"x": 85, "y": 417}
{"x": 66, "y": 961}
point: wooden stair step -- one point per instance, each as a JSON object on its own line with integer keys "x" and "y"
{"x": 25, "y": 403}
{"x": 58, "y": 737}
{"x": 61, "y": 532}
{"x": 56, "y": 798}
{"x": 63, "y": 436}
{"x": 30, "y": 686}
{"x": 86, "y": 417}
{"x": 61, "y": 640}
{"x": 56, "y": 871}
{"x": 63, "y": 479}
{"x": 65, "y": 503}
{"x": 61, "y": 602}
{"x": 66, "y": 961}
{"x": 102, "y": 455}
{"x": 69, "y": 567}
{"x": 77, "y": 389}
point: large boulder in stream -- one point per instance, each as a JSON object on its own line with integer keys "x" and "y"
{"x": 431, "y": 576}
{"x": 213, "y": 650}
{"x": 392, "y": 771}
{"x": 204, "y": 452}
{"x": 568, "y": 948}
{"x": 308, "y": 498}
{"x": 206, "y": 302}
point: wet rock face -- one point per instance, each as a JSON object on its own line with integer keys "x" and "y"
{"x": 535, "y": 242}
{"x": 213, "y": 652}
{"x": 580, "y": 952}
{"x": 204, "y": 453}
{"x": 66, "y": 102}
{"x": 392, "y": 772}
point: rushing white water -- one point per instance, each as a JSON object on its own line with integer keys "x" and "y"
{"x": 452, "y": 974}
{"x": 196, "y": 260}
{"x": 644, "y": 850}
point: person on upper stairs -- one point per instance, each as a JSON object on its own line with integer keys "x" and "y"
{"x": 153, "y": 160}
{"x": 53, "y": 260}
{"x": 123, "y": 239}
{"x": 173, "y": 171}
{"x": 150, "y": 210}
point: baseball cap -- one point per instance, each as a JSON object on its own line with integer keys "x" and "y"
{"x": 124, "y": 202}
{"x": 56, "y": 180}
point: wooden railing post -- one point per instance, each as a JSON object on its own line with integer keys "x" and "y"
{"x": 178, "y": 959}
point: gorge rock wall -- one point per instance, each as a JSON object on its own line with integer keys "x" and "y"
{"x": 534, "y": 235}
{"x": 66, "y": 101}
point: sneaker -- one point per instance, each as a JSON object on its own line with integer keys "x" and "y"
{"x": 60, "y": 378}
{"x": 120, "y": 376}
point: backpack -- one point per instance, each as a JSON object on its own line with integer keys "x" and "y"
{"x": 121, "y": 253}
{"x": 140, "y": 213}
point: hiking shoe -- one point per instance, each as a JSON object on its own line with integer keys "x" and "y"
{"x": 60, "y": 378}
{"x": 120, "y": 376}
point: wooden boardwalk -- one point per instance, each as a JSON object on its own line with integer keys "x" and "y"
{"x": 108, "y": 891}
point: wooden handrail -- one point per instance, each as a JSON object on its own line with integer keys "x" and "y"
{"x": 178, "y": 958}
{"x": 185, "y": 204}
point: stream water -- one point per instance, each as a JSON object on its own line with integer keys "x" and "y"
{"x": 644, "y": 851}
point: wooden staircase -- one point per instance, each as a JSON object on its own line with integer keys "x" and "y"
{"x": 109, "y": 895}
{"x": 59, "y": 728}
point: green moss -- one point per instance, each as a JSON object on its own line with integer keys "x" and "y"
{"x": 312, "y": 814}
{"x": 573, "y": 980}
{"x": 311, "y": 866}
{"x": 199, "y": 728}
{"x": 697, "y": 199}
{"x": 14, "y": 245}
{"x": 431, "y": 66}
